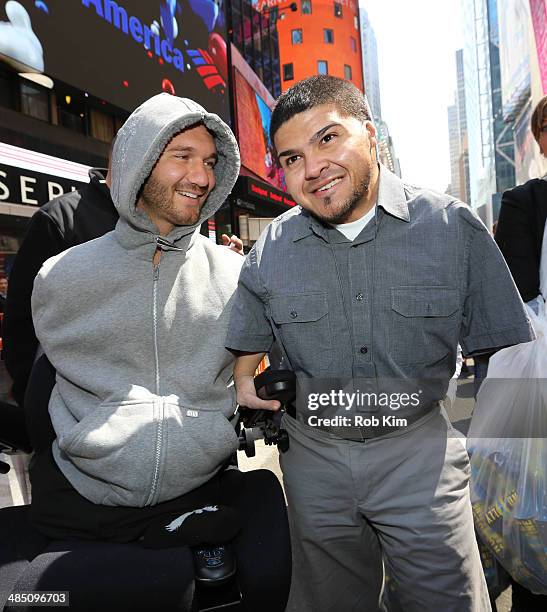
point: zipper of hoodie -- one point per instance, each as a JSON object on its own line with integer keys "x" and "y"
{"x": 159, "y": 431}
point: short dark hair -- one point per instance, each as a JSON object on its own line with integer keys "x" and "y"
{"x": 538, "y": 116}
{"x": 317, "y": 90}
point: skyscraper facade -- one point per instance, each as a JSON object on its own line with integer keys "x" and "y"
{"x": 464, "y": 193}
{"x": 522, "y": 85}
{"x": 320, "y": 37}
{"x": 454, "y": 144}
{"x": 369, "y": 51}
{"x": 491, "y": 165}
{"x": 371, "y": 79}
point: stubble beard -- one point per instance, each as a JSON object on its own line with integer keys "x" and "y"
{"x": 159, "y": 199}
{"x": 343, "y": 211}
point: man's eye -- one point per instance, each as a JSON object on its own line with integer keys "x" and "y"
{"x": 291, "y": 160}
{"x": 328, "y": 137}
{"x": 211, "y": 163}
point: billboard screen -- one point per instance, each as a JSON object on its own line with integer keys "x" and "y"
{"x": 122, "y": 51}
{"x": 539, "y": 20}
{"x": 253, "y": 130}
{"x": 514, "y": 17}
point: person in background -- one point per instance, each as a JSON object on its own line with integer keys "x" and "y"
{"x": 521, "y": 223}
{"x": 3, "y": 286}
{"x": 520, "y": 236}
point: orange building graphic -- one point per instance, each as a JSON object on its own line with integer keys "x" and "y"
{"x": 321, "y": 37}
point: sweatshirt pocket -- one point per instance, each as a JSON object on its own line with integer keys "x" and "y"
{"x": 147, "y": 451}
{"x": 198, "y": 443}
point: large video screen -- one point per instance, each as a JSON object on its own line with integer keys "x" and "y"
{"x": 253, "y": 129}
{"x": 122, "y": 51}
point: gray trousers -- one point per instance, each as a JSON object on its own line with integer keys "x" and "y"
{"x": 402, "y": 499}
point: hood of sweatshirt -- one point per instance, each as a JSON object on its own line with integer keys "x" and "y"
{"x": 140, "y": 143}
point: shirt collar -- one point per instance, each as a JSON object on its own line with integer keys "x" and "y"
{"x": 391, "y": 194}
{"x": 391, "y": 197}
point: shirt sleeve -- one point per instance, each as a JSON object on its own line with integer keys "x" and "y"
{"x": 249, "y": 329}
{"x": 494, "y": 315}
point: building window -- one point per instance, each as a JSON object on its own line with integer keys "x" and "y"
{"x": 337, "y": 9}
{"x": 306, "y": 7}
{"x": 296, "y": 37}
{"x": 347, "y": 72}
{"x": 288, "y": 73}
{"x": 102, "y": 125}
{"x": 328, "y": 36}
{"x": 7, "y": 89}
{"x": 35, "y": 101}
{"x": 322, "y": 67}
{"x": 353, "y": 44}
{"x": 71, "y": 110}
{"x": 356, "y": 23}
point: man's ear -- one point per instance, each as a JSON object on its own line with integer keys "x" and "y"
{"x": 371, "y": 130}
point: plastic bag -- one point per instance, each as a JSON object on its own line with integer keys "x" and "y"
{"x": 509, "y": 458}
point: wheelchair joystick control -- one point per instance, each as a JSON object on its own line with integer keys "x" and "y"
{"x": 270, "y": 385}
{"x": 214, "y": 565}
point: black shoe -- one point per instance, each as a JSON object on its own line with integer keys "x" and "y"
{"x": 214, "y": 564}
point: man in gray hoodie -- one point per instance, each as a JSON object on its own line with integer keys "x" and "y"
{"x": 134, "y": 324}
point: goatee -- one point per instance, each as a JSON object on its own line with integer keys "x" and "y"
{"x": 345, "y": 209}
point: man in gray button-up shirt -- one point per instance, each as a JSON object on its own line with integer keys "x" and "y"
{"x": 391, "y": 303}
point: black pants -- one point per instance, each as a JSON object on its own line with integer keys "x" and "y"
{"x": 94, "y": 554}
{"x": 60, "y": 512}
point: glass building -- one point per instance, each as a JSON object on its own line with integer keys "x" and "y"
{"x": 491, "y": 167}
{"x": 255, "y": 35}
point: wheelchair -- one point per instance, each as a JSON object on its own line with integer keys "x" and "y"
{"x": 168, "y": 578}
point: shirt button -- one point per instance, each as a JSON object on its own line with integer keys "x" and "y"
{"x": 294, "y": 314}
{"x": 363, "y": 350}
{"x": 359, "y": 296}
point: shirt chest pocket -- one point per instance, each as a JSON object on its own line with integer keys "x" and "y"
{"x": 425, "y": 323}
{"x": 303, "y": 324}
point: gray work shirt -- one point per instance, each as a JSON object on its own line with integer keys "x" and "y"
{"x": 424, "y": 275}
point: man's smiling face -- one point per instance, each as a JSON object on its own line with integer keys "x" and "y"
{"x": 181, "y": 180}
{"x": 329, "y": 163}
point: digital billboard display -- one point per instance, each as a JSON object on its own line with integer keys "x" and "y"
{"x": 539, "y": 19}
{"x": 253, "y": 130}
{"x": 122, "y": 51}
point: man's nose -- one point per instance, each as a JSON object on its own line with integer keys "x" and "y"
{"x": 198, "y": 174}
{"x": 314, "y": 166}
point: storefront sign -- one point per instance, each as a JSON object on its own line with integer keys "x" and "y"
{"x": 253, "y": 189}
{"x": 32, "y": 179}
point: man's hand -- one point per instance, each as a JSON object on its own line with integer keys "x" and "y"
{"x": 247, "y": 397}
{"x": 234, "y": 243}
{"x": 244, "y": 370}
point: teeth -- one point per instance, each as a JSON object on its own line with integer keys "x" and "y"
{"x": 329, "y": 185}
{"x": 189, "y": 195}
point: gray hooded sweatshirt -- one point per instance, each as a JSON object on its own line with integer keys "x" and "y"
{"x": 143, "y": 395}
